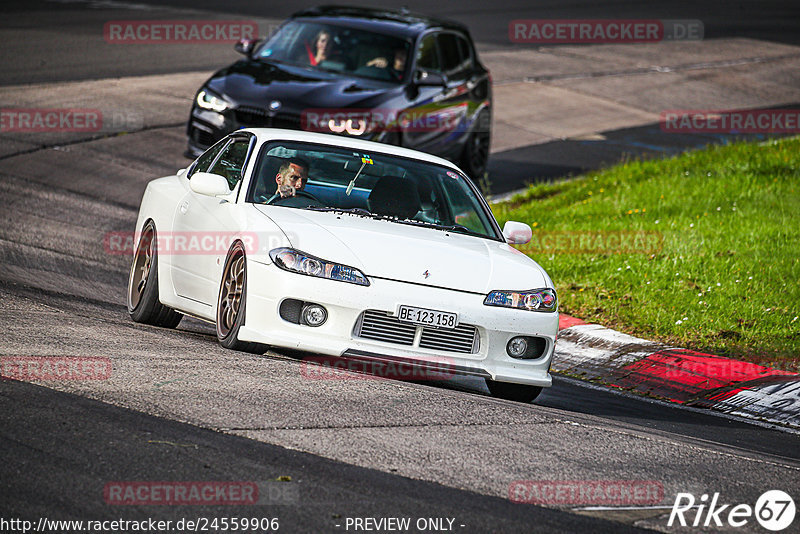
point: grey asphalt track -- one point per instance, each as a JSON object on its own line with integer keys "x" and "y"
{"x": 60, "y": 474}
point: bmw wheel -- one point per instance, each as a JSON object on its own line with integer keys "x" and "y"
{"x": 475, "y": 158}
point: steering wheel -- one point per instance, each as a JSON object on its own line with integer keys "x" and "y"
{"x": 296, "y": 200}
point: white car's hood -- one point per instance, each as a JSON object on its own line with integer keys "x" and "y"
{"x": 407, "y": 253}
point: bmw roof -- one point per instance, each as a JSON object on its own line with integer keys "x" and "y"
{"x": 400, "y": 22}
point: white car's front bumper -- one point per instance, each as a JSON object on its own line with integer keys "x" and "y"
{"x": 268, "y": 286}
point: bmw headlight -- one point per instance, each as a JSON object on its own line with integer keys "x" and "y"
{"x": 208, "y": 100}
{"x": 542, "y": 300}
{"x": 295, "y": 261}
{"x": 352, "y": 126}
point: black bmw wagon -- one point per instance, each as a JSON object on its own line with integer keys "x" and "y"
{"x": 380, "y": 75}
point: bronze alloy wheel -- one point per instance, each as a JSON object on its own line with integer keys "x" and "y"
{"x": 230, "y": 295}
{"x": 142, "y": 265}
{"x": 231, "y": 303}
{"x": 144, "y": 306}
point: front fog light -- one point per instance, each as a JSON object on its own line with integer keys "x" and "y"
{"x": 517, "y": 347}
{"x": 314, "y": 315}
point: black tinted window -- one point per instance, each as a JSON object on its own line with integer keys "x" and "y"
{"x": 449, "y": 48}
{"x": 465, "y": 51}
{"x": 231, "y": 161}
{"x": 427, "y": 58}
{"x": 456, "y": 56}
{"x": 207, "y": 158}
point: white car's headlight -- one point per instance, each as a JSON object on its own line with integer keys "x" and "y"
{"x": 295, "y": 261}
{"x": 208, "y": 100}
{"x": 542, "y": 300}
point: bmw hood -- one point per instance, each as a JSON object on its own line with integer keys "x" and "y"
{"x": 401, "y": 252}
{"x": 254, "y": 83}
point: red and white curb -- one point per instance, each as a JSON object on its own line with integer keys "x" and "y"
{"x": 602, "y": 355}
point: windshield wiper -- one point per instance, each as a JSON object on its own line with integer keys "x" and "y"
{"x": 328, "y": 69}
{"x": 413, "y": 222}
{"x": 269, "y": 61}
{"x": 458, "y": 228}
{"x": 354, "y": 211}
{"x": 449, "y": 228}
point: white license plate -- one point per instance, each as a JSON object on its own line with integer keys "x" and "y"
{"x": 425, "y": 317}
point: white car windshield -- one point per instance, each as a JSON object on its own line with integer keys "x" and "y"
{"x": 373, "y": 185}
{"x": 338, "y": 49}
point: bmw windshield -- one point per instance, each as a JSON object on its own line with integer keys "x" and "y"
{"x": 337, "y": 49}
{"x": 376, "y": 185}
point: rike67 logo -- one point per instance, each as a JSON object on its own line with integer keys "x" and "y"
{"x": 774, "y": 510}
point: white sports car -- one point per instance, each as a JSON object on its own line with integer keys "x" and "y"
{"x": 385, "y": 255}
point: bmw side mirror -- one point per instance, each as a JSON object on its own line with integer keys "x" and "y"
{"x": 246, "y": 46}
{"x": 517, "y": 233}
{"x": 425, "y": 78}
{"x": 210, "y": 185}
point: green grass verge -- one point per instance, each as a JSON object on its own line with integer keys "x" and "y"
{"x": 706, "y": 253}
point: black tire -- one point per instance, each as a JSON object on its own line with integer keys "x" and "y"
{"x": 514, "y": 392}
{"x": 231, "y": 303}
{"x": 475, "y": 157}
{"x": 143, "y": 303}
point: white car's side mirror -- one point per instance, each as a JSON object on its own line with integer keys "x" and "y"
{"x": 517, "y": 233}
{"x": 208, "y": 184}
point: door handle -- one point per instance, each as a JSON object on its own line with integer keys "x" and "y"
{"x": 184, "y": 206}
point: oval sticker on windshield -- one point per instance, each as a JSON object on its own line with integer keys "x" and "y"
{"x": 452, "y": 175}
